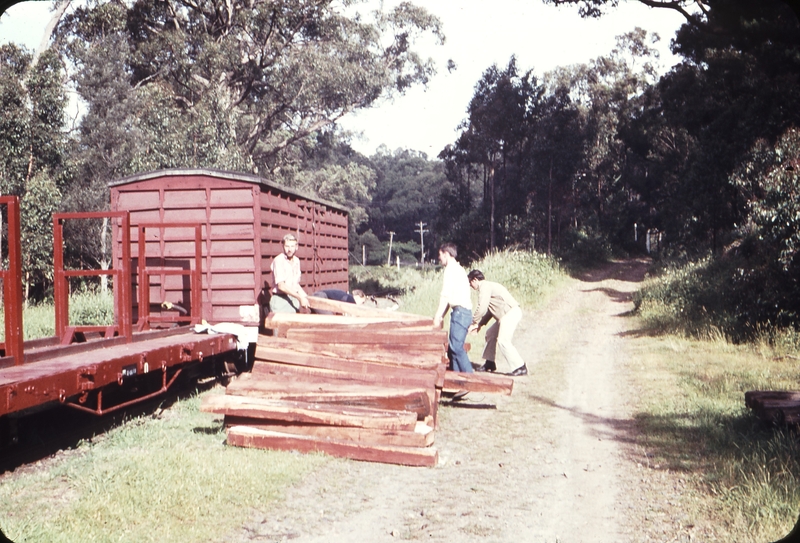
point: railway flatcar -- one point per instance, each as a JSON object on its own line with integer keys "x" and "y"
{"x": 93, "y": 368}
{"x": 189, "y": 246}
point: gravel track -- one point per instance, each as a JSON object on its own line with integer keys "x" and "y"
{"x": 554, "y": 462}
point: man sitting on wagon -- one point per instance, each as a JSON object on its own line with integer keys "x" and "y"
{"x": 287, "y": 296}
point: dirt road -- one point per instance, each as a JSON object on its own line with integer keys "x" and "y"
{"x": 553, "y": 462}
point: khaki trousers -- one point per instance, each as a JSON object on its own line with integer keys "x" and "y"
{"x": 498, "y": 337}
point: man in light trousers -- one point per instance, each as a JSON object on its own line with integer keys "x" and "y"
{"x": 494, "y": 300}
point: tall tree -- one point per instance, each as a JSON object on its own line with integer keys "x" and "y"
{"x": 556, "y": 148}
{"x": 237, "y": 84}
{"x": 492, "y": 141}
{"x": 738, "y": 84}
{"x": 32, "y": 150}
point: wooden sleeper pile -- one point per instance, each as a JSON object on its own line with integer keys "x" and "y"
{"x": 362, "y": 384}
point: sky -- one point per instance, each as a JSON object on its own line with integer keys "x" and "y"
{"x": 478, "y": 33}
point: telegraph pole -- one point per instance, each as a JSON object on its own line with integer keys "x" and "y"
{"x": 389, "y": 258}
{"x": 422, "y": 232}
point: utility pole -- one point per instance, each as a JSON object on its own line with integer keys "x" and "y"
{"x": 422, "y": 232}
{"x": 389, "y": 258}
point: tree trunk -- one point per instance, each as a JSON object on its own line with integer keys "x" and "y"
{"x": 48, "y": 31}
{"x": 491, "y": 197}
{"x": 43, "y": 44}
{"x": 550, "y": 210}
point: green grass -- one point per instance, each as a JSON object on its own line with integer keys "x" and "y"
{"x": 85, "y": 308}
{"x": 388, "y": 280}
{"x": 723, "y": 295}
{"x": 528, "y": 276}
{"x": 166, "y": 478}
{"x": 685, "y": 298}
{"x": 745, "y": 476}
{"x": 703, "y": 344}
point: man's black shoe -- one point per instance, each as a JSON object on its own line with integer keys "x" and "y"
{"x": 489, "y": 365}
{"x": 522, "y": 370}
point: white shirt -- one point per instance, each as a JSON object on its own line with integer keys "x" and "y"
{"x": 455, "y": 288}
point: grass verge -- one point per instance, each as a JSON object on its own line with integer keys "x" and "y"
{"x": 164, "y": 478}
{"x": 85, "y": 308}
{"x": 529, "y": 276}
{"x": 692, "y": 420}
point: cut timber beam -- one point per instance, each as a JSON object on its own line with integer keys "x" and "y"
{"x": 269, "y": 350}
{"x": 421, "y": 436}
{"x": 279, "y": 323}
{"x": 394, "y": 398}
{"x": 244, "y": 436}
{"x": 761, "y": 399}
{"x": 344, "y": 308}
{"x": 478, "y": 382}
{"x": 428, "y": 340}
{"x": 309, "y": 413}
{"x": 372, "y": 374}
{"x": 402, "y": 355}
{"x": 774, "y": 406}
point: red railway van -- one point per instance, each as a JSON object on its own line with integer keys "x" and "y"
{"x": 232, "y": 224}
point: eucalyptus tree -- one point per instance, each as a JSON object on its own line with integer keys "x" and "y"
{"x": 32, "y": 152}
{"x": 612, "y": 89}
{"x": 460, "y": 218}
{"x": 236, "y": 84}
{"x": 555, "y": 154}
{"x": 738, "y": 84}
{"x": 769, "y": 180}
{"x": 15, "y": 119}
{"x": 492, "y": 144}
{"x": 33, "y": 100}
{"x": 247, "y": 85}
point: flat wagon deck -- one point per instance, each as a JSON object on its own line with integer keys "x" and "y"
{"x": 79, "y": 363}
{"x": 76, "y": 374}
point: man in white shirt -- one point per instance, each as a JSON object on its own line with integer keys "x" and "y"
{"x": 287, "y": 294}
{"x": 456, "y": 297}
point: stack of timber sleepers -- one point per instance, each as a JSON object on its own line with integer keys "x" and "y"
{"x": 363, "y": 386}
{"x": 775, "y": 407}
{"x": 362, "y": 383}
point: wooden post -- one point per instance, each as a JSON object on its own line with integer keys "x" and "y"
{"x": 422, "y": 231}
{"x": 389, "y": 258}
